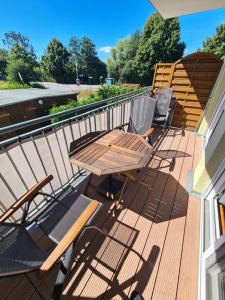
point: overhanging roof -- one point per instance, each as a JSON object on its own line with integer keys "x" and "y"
{"x": 175, "y": 8}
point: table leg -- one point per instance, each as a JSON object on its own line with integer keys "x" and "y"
{"x": 118, "y": 201}
{"x": 88, "y": 183}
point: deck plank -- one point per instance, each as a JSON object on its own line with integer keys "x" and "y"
{"x": 188, "y": 277}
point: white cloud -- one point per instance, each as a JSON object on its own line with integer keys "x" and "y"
{"x": 105, "y": 49}
{"x": 186, "y": 51}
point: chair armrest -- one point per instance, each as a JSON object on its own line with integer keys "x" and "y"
{"x": 25, "y": 198}
{"x": 148, "y": 132}
{"x": 69, "y": 237}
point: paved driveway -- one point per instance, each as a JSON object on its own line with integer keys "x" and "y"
{"x": 68, "y": 87}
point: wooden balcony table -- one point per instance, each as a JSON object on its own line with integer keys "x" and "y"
{"x": 114, "y": 152}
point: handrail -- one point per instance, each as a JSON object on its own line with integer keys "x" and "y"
{"x": 114, "y": 100}
{"x": 75, "y": 110}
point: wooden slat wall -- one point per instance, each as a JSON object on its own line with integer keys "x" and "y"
{"x": 192, "y": 79}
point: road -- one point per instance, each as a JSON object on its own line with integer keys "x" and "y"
{"x": 68, "y": 87}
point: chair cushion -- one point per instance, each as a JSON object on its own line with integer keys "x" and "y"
{"x": 18, "y": 251}
{"x": 59, "y": 219}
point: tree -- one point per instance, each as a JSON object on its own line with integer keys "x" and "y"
{"x": 17, "y": 52}
{"x": 14, "y": 39}
{"x": 74, "y": 65}
{"x": 121, "y": 64}
{"x": 3, "y": 61}
{"x": 19, "y": 66}
{"x": 160, "y": 42}
{"x": 216, "y": 43}
{"x": 21, "y": 57}
{"x": 55, "y": 60}
{"x": 74, "y": 49}
{"x": 91, "y": 65}
{"x": 83, "y": 53}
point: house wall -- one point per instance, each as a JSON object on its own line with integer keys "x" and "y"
{"x": 27, "y": 110}
{"x": 213, "y": 101}
{"x": 214, "y": 151}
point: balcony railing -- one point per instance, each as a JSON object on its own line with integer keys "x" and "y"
{"x": 27, "y": 158}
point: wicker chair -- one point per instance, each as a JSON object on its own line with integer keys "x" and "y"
{"x": 63, "y": 219}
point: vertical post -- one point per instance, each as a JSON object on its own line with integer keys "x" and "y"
{"x": 108, "y": 119}
{"x": 171, "y": 74}
{"x": 77, "y": 70}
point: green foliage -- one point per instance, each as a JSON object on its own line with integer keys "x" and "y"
{"x": 71, "y": 104}
{"x": 160, "y": 42}
{"x": 216, "y": 43}
{"x": 20, "y": 57}
{"x": 83, "y": 52}
{"x": 16, "y": 66}
{"x": 41, "y": 75}
{"x": 55, "y": 59}
{"x": 74, "y": 49}
{"x": 102, "y": 93}
{"x": 3, "y": 61}
{"x": 17, "y": 52}
{"x": 108, "y": 91}
{"x": 121, "y": 65}
{"x": 13, "y": 85}
{"x": 19, "y": 47}
{"x": 13, "y": 38}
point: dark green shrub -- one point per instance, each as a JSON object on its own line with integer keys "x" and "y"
{"x": 69, "y": 105}
{"x": 108, "y": 91}
{"x": 13, "y": 69}
{"x": 41, "y": 75}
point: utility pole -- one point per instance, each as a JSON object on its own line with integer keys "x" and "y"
{"x": 77, "y": 70}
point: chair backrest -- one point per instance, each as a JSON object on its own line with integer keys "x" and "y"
{"x": 142, "y": 112}
{"x": 163, "y": 97}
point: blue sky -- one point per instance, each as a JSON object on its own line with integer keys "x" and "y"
{"x": 105, "y": 22}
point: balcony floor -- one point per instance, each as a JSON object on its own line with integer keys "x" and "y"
{"x": 156, "y": 238}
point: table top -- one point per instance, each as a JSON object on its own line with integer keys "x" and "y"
{"x": 115, "y": 152}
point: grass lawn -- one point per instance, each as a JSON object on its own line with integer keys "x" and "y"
{"x": 83, "y": 94}
{"x": 5, "y": 85}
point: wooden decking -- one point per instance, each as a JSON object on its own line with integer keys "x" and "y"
{"x": 155, "y": 244}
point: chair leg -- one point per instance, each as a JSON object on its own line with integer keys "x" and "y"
{"x": 150, "y": 140}
{"x": 172, "y": 164}
{"x": 63, "y": 271}
{"x": 66, "y": 263}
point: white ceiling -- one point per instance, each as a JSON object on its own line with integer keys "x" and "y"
{"x": 175, "y": 8}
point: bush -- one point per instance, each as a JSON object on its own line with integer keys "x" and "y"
{"x": 13, "y": 85}
{"x": 105, "y": 92}
{"x": 108, "y": 91}
{"x": 14, "y": 67}
{"x": 69, "y": 105}
{"x": 41, "y": 75}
